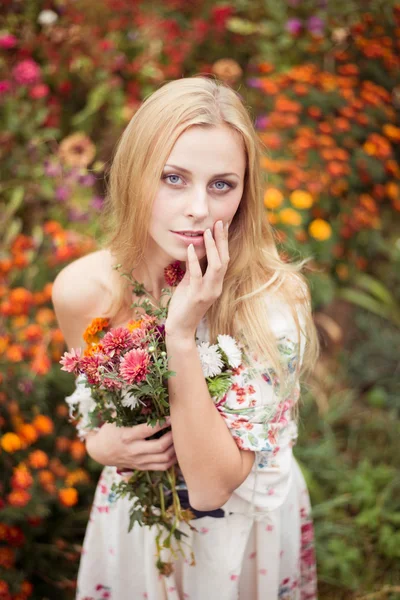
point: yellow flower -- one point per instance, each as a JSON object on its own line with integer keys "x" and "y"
{"x": 289, "y": 216}
{"x": 273, "y": 198}
{"x": 301, "y": 199}
{"x": 320, "y": 230}
{"x": 10, "y": 442}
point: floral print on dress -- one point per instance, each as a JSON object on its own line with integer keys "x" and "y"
{"x": 257, "y": 421}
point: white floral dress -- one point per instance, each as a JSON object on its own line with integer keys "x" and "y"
{"x": 261, "y": 549}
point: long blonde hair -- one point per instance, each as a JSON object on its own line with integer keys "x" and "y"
{"x": 256, "y": 271}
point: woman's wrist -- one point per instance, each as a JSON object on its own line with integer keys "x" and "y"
{"x": 180, "y": 339}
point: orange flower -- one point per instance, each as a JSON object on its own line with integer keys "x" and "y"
{"x": 273, "y": 198}
{"x": 38, "y": 459}
{"x": 11, "y": 442}
{"x": 21, "y": 478}
{"x": 33, "y": 333}
{"x": 52, "y": 227}
{"x": 15, "y": 353}
{"x": 90, "y": 334}
{"x": 46, "y": 477}
{"x": 41, "y": 363}
{"x": 18, "y": 498}
{"x": 45, "y": 316}
{"x": 28, "y": 433}
{"x": 43, "y": 424}
{"x": 301, "y": 199}
{"x": 320, "y": 230}
{"x": 289, "y": 216}
{"x": 76, "y": 477}
{"x": 57, "y": 336}
{"x": 392, "y": 190}
{"x": 78, "y": 450}
{"x": 68, "y": 496}
{"x": 77, "y": 150}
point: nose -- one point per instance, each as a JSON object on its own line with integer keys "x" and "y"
{"x": 197, "y": 204}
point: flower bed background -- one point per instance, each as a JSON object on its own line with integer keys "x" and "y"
{"x": 323, "y": 84}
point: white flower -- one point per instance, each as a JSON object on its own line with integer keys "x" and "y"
{"x": 47, "y": 17}
{"x": 81, "y": 399}
{"x": 229, "y": 347}
{"x": 210, "y": 358}
{"x": 128, "y": 399}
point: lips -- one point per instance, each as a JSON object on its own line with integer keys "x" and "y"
{"x": 191, "y": 237}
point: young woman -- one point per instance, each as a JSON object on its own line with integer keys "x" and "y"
{"x": 185, "y": 184}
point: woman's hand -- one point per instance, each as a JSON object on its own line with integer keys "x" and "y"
{"x": 127, "y": 447}
{"x": 196, "y": 293}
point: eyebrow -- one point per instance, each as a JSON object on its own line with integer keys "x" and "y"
{"x": 189, "y": 172}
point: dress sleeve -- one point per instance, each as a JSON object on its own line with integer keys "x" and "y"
{"x": 260, "y": 419}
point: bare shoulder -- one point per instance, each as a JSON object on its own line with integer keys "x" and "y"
{"x": 82, "y": 291}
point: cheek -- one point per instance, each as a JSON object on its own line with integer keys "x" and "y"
{"x": 227, "y": 210}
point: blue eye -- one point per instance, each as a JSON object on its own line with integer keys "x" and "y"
{"x": 224, "y": 183}
{"x": 168, "y": 176}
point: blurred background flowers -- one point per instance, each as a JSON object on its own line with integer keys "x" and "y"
{"x": 322, "y": 82}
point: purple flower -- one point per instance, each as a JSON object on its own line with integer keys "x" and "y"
{"x": 262, "y": 122}
{"x": 52, "y": 169}
{"x": 315, "y": 25}
{"x": 97, "y": 202}
{"x": 7, "y": 40}
{"x": 62, "y": 193}
{"x": 5, "y": 86}
{"x": 294, "y": 26}
{"x": 253, "y": 82}
{"x": 27, "y": 72}
{"x": 87, "y": 179}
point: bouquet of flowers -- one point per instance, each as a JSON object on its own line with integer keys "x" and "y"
{"x": 122, "y": 378}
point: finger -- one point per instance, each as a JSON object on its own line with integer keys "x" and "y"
{"x": 154, "y": 446}
{"x": 221, "y": 240}
{"x": 193, "y": 266}
{"x": 143, "y": 431}
{"x": 162, "y": 459}
{"x": 213, "y": 258}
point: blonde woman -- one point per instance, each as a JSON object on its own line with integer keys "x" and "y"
{"x": 185, "y": 185}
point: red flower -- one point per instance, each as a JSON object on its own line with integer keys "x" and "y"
{"x": 173, "y": 274}
{"x": 134, "y": 366}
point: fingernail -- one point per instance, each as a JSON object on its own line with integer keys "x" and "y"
{"x": 208, "y": 233}
{"x": 220, "y": 225}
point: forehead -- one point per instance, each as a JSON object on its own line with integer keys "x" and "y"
{"x": 218, "y": 148}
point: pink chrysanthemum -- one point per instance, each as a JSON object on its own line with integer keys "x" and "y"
{"x": 90, "y": 367}
{"x": 173, "y": 274}
{"x": 147, "y": 322}
{"x": 138, "y": 336}
{"x": 70, "y": 361}
{"x": 117, "y": 341}
{"x": 27, "y": 72}
{"x": 112, "y": 384}
{"x": 135, "y": 365}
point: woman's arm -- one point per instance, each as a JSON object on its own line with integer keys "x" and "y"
{"x": 212, "y": 464}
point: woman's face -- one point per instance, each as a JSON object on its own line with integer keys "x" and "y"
{"x": 202, "y": 183}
